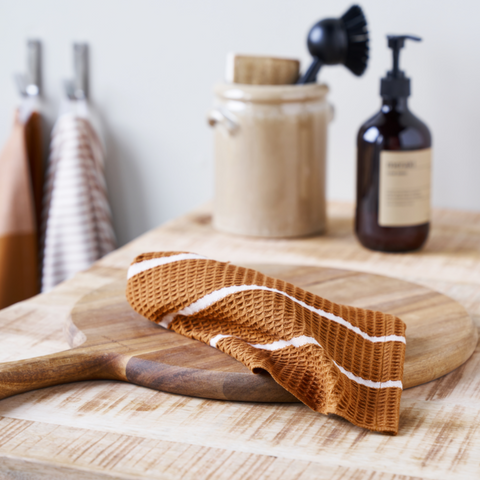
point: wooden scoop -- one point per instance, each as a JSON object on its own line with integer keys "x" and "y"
{"x": 113, "y": 342}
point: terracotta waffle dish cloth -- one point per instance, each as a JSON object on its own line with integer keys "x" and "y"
{"x": 334, "y": 358}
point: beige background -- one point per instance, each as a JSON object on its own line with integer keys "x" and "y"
{"x": 154, "y": 64}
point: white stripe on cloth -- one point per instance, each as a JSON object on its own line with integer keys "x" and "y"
{"x": 77, "y": 227}
{"x": 140, "y": 267}
{"x": 304, "y": 340}
{"x": 220, "y": 294}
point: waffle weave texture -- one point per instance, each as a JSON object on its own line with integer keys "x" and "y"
{"x": 334, "y": 358}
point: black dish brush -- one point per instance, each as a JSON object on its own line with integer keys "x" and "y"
{"x": 334, "y": 41}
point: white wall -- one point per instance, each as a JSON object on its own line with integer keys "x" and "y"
{"x": 153, "y": 64}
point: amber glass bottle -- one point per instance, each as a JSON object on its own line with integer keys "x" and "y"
{"x": 393, "y": 169}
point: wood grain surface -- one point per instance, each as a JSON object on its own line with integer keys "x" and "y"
{"x": 440, "y": 335}
{"x": 107, "y": 429}
{"x": 113, "y": 342}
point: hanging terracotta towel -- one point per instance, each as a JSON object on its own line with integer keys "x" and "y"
{"x": 18, "y": 231}
{"x": 78, "y": 228}
{"x": 334, "y": 358}
{"x": 33, "y": 137}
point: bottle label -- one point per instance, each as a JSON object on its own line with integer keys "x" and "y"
{"x": 404, "y": 198}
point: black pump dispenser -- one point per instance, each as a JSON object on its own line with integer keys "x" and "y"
{"x": 396, "y": 84}
{"x": 393, "y": 168}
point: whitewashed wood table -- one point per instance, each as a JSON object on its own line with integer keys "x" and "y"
{"x": 114, "y": 430}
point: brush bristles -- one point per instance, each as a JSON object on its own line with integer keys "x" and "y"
{"x": 357, "y": 35}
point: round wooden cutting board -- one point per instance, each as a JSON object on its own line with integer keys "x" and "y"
{"x": 440, "y": 336}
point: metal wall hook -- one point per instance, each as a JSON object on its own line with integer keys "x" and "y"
{"x": 29, "y": 84}
{"x": 77, "y": 89}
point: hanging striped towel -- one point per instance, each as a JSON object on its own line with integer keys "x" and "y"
{"x": 78, "y": 227}
{"x": 18, "y": 227}
{"x": 334, "y": 358}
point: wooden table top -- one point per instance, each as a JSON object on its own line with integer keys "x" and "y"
{"x": 113, "y": 430}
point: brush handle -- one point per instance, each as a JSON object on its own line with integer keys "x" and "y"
{"x": 310, "y": 76}
{"x": 70, "y": 366}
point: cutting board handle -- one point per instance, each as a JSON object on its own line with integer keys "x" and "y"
{"x": 70, "y": 366}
